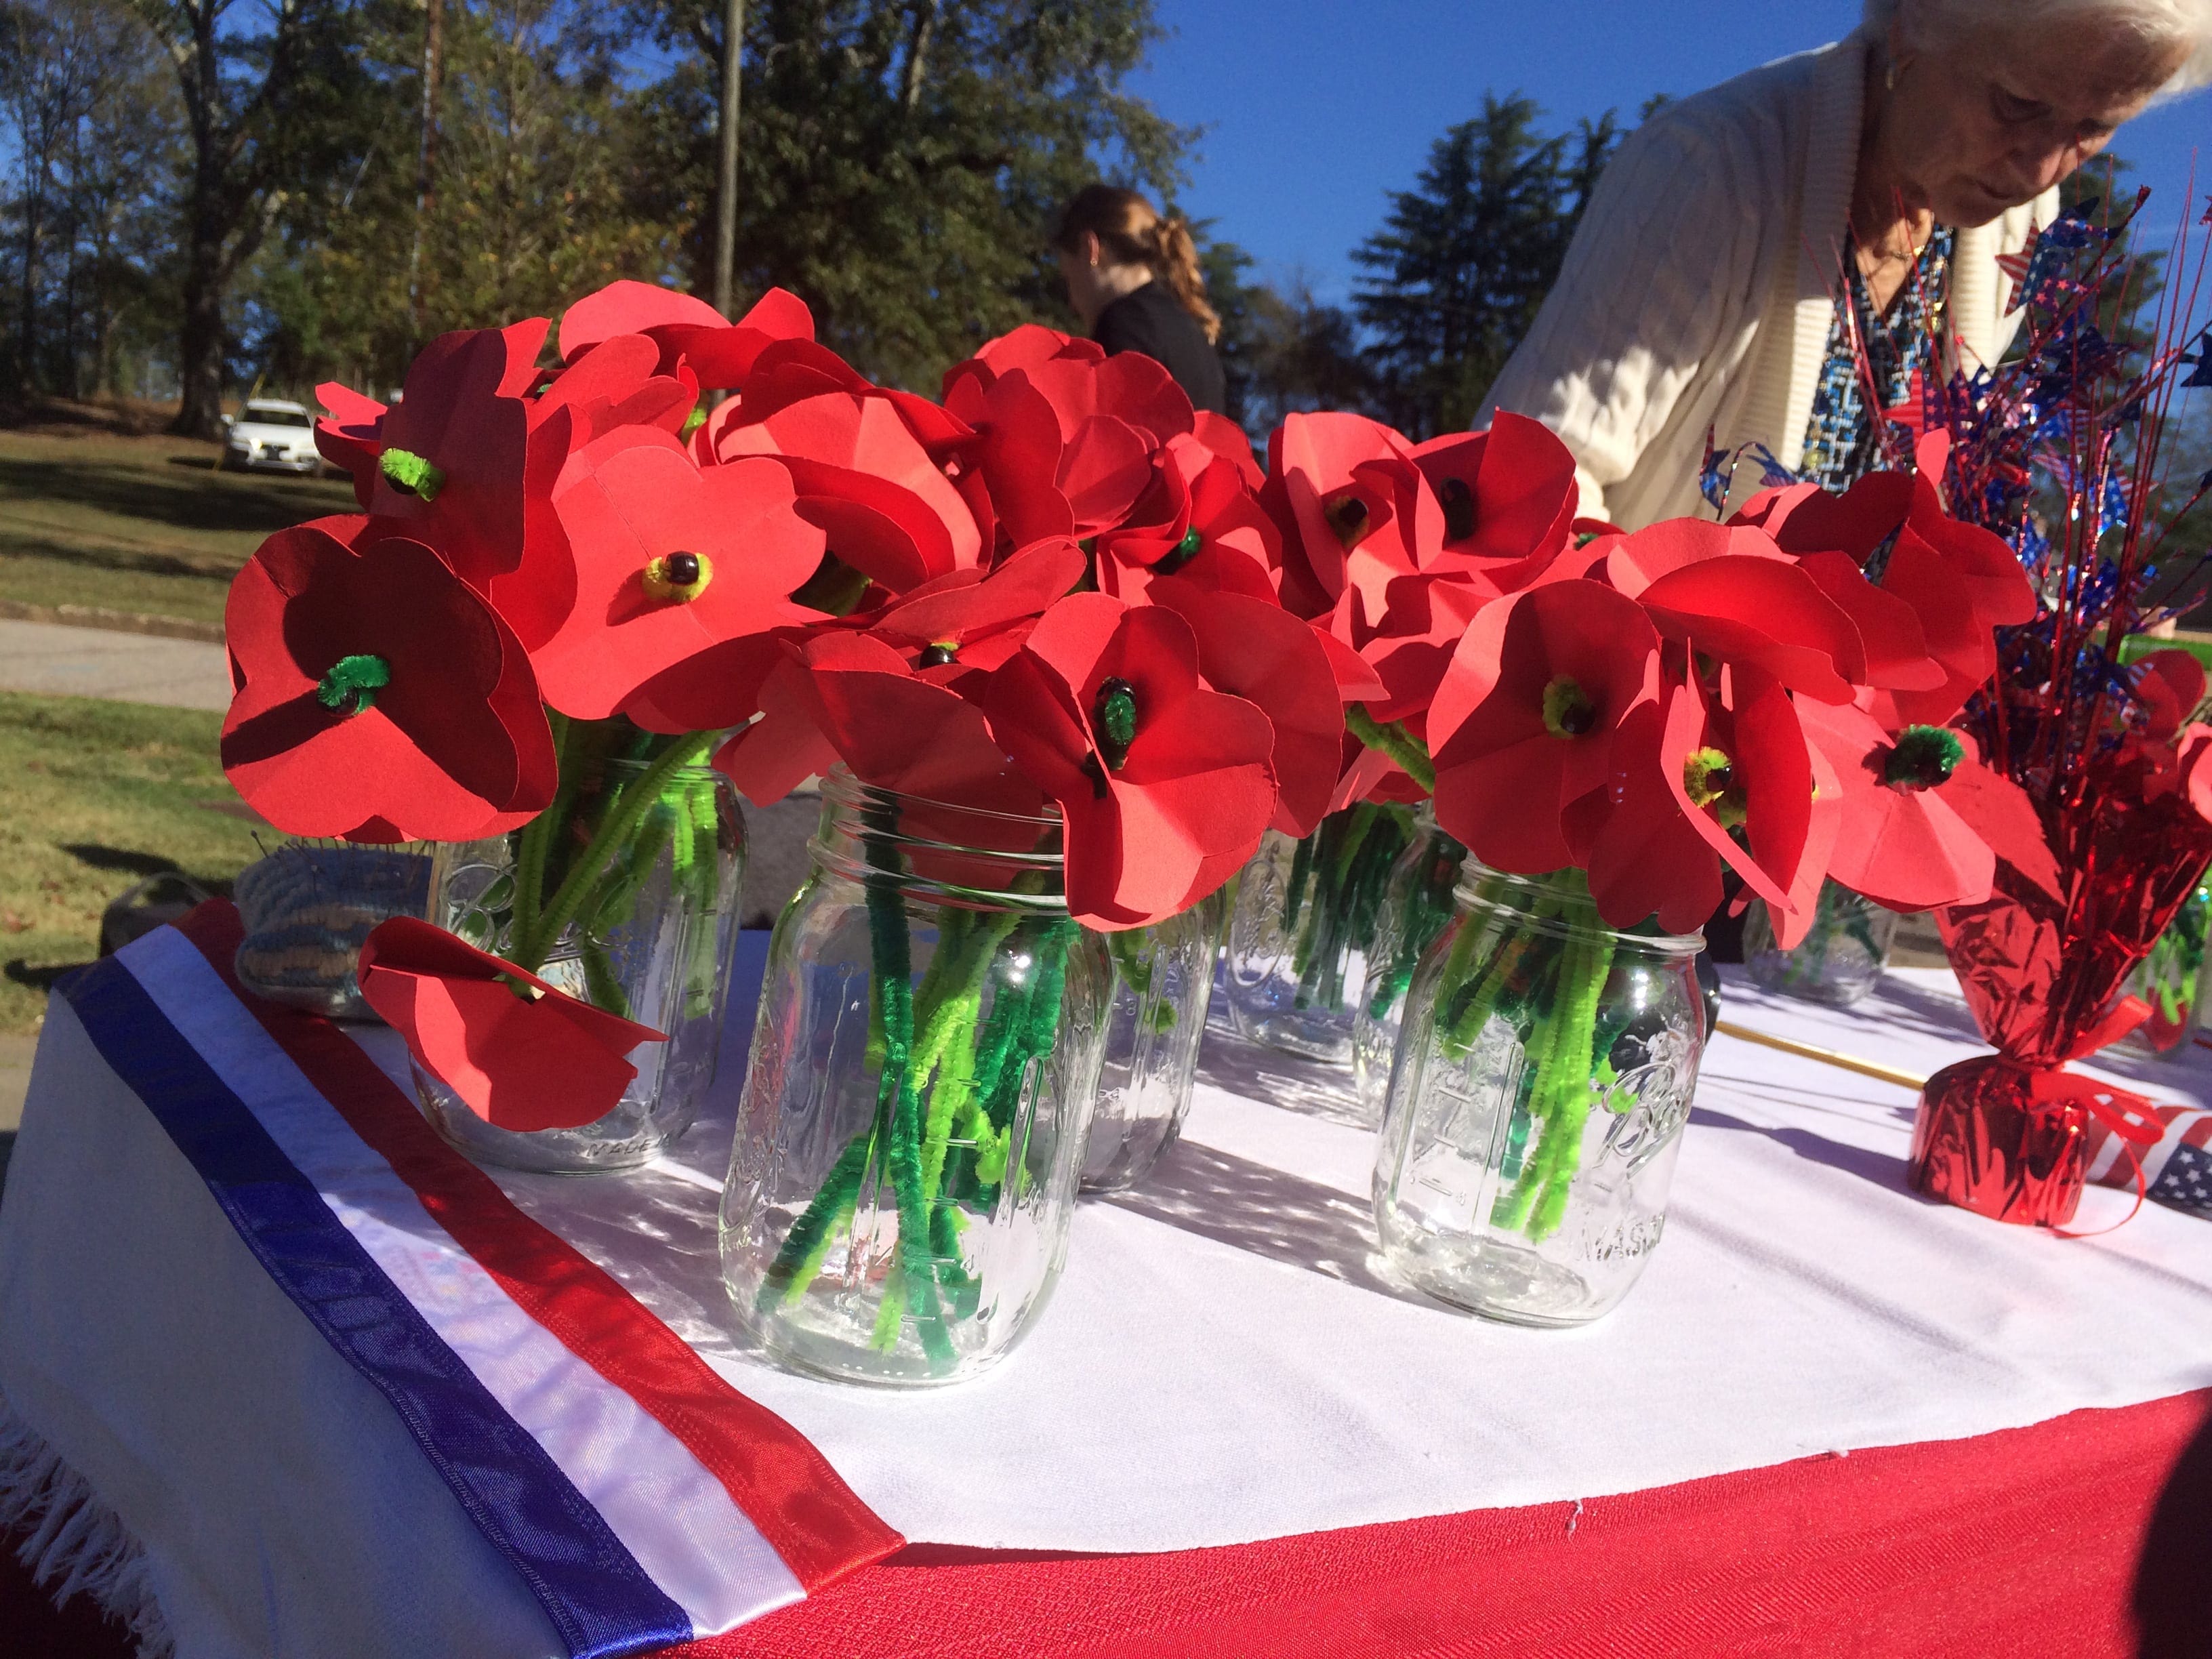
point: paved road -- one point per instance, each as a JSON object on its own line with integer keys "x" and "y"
{"x": 92, "y": 662}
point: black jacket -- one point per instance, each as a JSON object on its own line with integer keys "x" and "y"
{"x": 1150, "y": 319}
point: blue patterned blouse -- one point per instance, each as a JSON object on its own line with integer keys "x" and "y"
{"x": 1843, "y": 439}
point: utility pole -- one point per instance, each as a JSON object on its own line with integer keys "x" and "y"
{"x": 434, "y": 66}
{"x": 726, "y": 193}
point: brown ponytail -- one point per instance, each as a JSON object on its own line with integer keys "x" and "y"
{"x": 1132, "y": 233}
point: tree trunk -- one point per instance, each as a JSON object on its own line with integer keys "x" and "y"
{"x": 200, "y": 342}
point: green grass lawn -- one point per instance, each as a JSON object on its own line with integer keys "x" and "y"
{"x": 147, "y": 524}
{"x": 100, "y": 795}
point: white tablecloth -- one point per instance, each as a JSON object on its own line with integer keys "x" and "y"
{"x": 1226, "y": 1361}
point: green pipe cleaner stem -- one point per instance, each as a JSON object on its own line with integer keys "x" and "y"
{"x": 1041, "y": 1034}
{"x": 809, "y": 1240}
{"x": 962, "y": 1291}
{"x": 620, "y": 821}
{"x": 915, "y": 1255}
{"x": 892, "y": 959}
{"x": 1572, "y": 1096}
{"x": 1512, "y": 1210}
{"x": 1008, "y": 1017}
{"x": 1301, "y": 858}
{"x": 601, "y": 983}
{"x": 1518, "y": 1122}
{"x": 1132, "y": 951}
{"x": 1356, "y": 825}
{"x": 530, "y": 842}
{"x": 890, "y": 1312}
{"x": 1394, "y": 740}
{"x": 950, "y": 1090}
{"x": 1427, "y": 914}
{"x": 612, "y": 900}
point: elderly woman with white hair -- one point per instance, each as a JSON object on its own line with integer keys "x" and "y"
{"x": 1707, "y": 288}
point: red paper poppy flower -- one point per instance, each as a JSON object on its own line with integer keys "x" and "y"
{"x": 1647, "y": 860}
{"x": 1508, "y": 497}
{"x": 1164, "y": 786}
{"x": 1733, "y": 596}
{"x": 1959, "y": 579}
{"x": 789, "y": 372}
{"x": 449, "y": 464}
{"x": 687, "y": 330}
{"x": 1523, "y": 722}
{"x": 971, "y": 621}
{"x": 617, "y": 383}
{"x": 379, "y": 696}
{"x": 519, "y": 1054}
{"x": 1199, "y": 521}
{"x": 845, "y": 698}
{"x": 953, "y": 626}
{"x": 862, "y": 475}
{"x": 1256, "y": 650}
{"x": 1066, "y": 436}
{"x": 1078, "y": 379}
{"x": 1899, "y": 842}
{"x": 1740, "y": 780}
{"x": 667, "y": 560}
{"x": 1355, "y": 514}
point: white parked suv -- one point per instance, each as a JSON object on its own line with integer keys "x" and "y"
{"x": 274, "y": 434}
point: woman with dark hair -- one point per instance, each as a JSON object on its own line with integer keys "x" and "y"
{"x": 1134, "y": 278}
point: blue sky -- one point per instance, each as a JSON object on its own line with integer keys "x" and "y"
{"x": 1314, "y": 110}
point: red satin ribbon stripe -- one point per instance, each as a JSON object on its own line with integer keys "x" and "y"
{"x": 800, "y": 1505}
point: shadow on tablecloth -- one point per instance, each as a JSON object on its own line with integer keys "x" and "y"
{"x": 1883, "y": 1169}
{"x": 1284, "y": 1217}
{"x": 2174, "y": 1574}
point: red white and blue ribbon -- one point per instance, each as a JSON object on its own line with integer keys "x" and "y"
{"x": 641, "y": 1499}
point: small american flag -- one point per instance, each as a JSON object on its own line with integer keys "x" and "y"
{"x": 2177, "y": 1171}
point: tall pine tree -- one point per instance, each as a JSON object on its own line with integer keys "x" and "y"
{"x": 1466, "y": 255}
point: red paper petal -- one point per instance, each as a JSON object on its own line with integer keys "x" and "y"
{"x": 630, "y": 307}
{"x": 552, "y": 1063}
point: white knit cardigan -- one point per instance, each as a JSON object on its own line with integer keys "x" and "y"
{"x": 1698, "y": 295}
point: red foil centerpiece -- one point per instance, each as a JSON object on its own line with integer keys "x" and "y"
{"x": 2081, "y": 895}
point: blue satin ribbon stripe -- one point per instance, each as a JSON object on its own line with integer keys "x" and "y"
{"x": 592, "y": 1588}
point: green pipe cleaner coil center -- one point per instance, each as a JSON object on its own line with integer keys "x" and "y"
{"x": 410, "y": 475}
{"x": 1925, "y": 757}
{"x": 1568, "y": 711}
{"x": 352, "y": 684}
{"x": 1181, "y": 554}
{"x": 1114, "y": 716}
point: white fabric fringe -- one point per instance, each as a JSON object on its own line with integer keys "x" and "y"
{"x": 76, "y": 1543}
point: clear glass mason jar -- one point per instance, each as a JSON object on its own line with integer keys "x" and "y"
{"x": 308, "y": 907}
{"x": 1163, "y": 987}
{"x": 1417, "y": 906}
{"x": 923, "y": 1068}
{"x": 654, "y": 926}
{"x": 1838, "y": 961}
{"x": 1544, "y": 1074}
{"x": 2171, "y": 979}
{"x": 1304, "y": 926}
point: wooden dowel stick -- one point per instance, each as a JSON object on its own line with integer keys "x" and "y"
{"x": 1825, "y": 1056}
